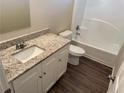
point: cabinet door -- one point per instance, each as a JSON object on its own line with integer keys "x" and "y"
{"x": 1, "y": 90}
{"x": 30, "y": 82}
{"x": 3, "y": 80}
{"x": 62, "y": 63}
{"x": 49, "y": 73}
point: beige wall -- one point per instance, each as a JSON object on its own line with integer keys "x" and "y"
{"x": 0, "y": 15}
{"x": 53, "y": 14}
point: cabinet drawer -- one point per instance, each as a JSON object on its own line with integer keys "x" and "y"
{"x": 63, "y": 54}
{"x": 64, "y": 49}
{"x": 58, "y": 54}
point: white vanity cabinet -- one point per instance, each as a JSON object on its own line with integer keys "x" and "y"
{"x": 42, "y": 77}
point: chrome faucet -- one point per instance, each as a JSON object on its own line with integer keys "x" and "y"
{"x": 77, "y": 30}
{"x": 21, "y": 45}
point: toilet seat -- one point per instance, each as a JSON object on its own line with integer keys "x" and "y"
{"x": 76, "y": 51}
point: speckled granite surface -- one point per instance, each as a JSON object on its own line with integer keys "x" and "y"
{"x": 13, "y": 68}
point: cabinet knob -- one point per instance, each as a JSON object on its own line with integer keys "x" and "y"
{"x": 8, "y": 91}
{"x": 44, "y": 73}
{"x": 40, "y": 76}
{"x": 60, "y": 60}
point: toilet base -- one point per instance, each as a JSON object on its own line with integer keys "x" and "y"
{"x": 74, "y": 60}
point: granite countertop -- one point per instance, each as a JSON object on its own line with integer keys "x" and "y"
{"x": 14, "y": 68}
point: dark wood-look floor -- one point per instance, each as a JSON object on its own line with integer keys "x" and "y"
{"x": 88, "y": 77}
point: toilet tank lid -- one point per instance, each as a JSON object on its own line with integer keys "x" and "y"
{"x": 66, "y": 33}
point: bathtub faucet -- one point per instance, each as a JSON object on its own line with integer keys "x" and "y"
{"x": 77, "y": 30}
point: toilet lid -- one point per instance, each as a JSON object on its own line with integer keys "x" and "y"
{"x": 77, "y": 51}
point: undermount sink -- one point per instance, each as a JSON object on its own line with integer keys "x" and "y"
{"x": 27, "y": 54}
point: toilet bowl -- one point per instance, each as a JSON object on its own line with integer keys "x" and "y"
{"x": 75, "y": 51}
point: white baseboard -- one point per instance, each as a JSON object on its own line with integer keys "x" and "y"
{"x": 97, "y": 60}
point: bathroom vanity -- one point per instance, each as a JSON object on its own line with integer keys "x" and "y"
{"x": 40, "y": 73}
{"x": 44, "y": 75}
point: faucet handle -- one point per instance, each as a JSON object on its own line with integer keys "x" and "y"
{"x": 21, "y": 45}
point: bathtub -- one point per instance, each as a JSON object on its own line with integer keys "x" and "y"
{"x": 100, "y": 41}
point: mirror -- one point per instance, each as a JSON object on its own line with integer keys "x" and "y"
{"x": 14, "y": 15}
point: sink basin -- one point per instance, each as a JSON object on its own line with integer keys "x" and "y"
{"x": 27, "y": 54}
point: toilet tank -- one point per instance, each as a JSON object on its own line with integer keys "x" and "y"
{"x": 67, "y": 34}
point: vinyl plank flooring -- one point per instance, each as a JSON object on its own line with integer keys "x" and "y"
{"x": 88, "y": 77}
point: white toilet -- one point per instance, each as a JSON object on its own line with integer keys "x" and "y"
{"x": 75, "y": 51}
